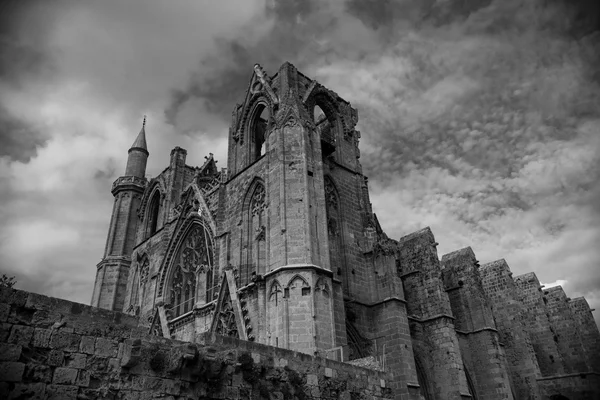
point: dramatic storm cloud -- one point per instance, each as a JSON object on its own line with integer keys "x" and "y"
{"x": 480, "y": 119}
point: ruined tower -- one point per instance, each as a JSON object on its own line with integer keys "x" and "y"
{"x": 113, "y": 271}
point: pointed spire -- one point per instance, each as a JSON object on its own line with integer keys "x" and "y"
{"x": 140, "y": 141}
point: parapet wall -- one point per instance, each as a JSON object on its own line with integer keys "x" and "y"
{"x": 56, "y": 349}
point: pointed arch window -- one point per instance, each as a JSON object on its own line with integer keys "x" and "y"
{"x": 138, "y": 288}
{"x": 191, "y": 277}
{"x": 255, "y": 235}
{"x": 258, "y": 131}
{"x": 153, "y": 213}
{"x": 334, "y": 228}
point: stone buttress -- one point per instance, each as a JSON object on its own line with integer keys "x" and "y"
{"x": 482, "y": 352}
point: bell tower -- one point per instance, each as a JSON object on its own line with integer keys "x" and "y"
{"x": 113, "y": 270}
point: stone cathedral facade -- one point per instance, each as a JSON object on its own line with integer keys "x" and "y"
{"x": 282, "y": 248}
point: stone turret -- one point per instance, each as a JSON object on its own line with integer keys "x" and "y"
{"x": 113, "y": 270}
{"x": 138, "y": 155}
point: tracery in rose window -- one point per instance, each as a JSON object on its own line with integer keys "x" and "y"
{"x": 191, "y": 279}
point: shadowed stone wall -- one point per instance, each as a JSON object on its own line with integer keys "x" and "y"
{"x": 56, "y": 349}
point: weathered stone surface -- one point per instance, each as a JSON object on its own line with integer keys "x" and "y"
{"x": 220, "y": 368}
{"x": 282, "y": 249}
{"x": 9, "y": 352}
{"x": 11, "y": 371}
{"x": 64, "y": 376}
{"x": 56, "y": 357}
{"x": 21, "y": 335}
{"x": 33, "y": 391}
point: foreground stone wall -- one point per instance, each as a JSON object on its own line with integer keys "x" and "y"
{"x": 56, "y": 349}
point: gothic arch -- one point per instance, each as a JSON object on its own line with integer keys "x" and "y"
{"x": 298, "y": 277}
{"x": 189, "y": 276}
{"x": 335, "y": 234}
{"x": 181, "y": 230}
{"x": 321, "y": 97}
{"x": 323, "y": 287}
{"x": 253, "y": 256}
{"x": 137, "y": 284}
{"x": 255, "y": 130}
{"x": 153, "y": 213}
{"x": 274, "y": 289}
{"x": 155, "y": 184}
{"x": 256, "y": 100}
{"x": 175, "y": 247}
{"x": 335, "y": 109}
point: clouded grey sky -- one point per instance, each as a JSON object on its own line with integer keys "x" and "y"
{"x": 479, "y": 118}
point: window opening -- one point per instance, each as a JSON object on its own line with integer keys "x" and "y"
{"x": 154, "y": 211}
{"x": 192, "y": 275}
{"x": 259, "y": 131}
{"x": 325, "y": 130}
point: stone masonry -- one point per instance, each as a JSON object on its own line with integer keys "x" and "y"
{"x": 272, "y": 278}
{"x": 56, "y": 349}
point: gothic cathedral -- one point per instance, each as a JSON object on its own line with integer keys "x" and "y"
{"x": 282, "y": 248}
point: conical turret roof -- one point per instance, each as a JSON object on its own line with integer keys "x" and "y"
{"x": 140, "y": 140}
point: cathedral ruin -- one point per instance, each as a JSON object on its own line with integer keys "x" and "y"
{"x": 282, "y": 248}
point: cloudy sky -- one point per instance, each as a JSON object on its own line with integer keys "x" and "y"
{"x": 479, "y": 118}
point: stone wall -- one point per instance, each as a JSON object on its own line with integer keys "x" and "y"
{"x": 56, "y": 349}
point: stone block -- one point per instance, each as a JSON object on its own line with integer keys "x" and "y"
{"x": 64, "y": 376}
{"x": 55, "y": 358}
{"x": 41, "y": 338}
{"x": 11, "y": 371}
{"x": 130, "y": 395}
{"x": 106, "y": 347}
{"x": 95, "y": 363}
{"x": 30, "y": 391}
{"x": 4, "y": 331}
{"x": 87, "y": 344}
{"x": 132, "y": 352}
{"x": 312, "y": 380}
{"x": 61, "y": 392}
{"x": 66, "y": 341}
{"x": 4, "y": 312}
{"x": 10, "y": 352}
{"x": 20, "y": 334}
{"x": 76, "y": 360}
{"x": 83, "y": 378}
{"x": 13, "y": 297}
{"x": 328, "y": 372}
{"x": 37, "y": 373}
{"x": 114, "y": 364}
